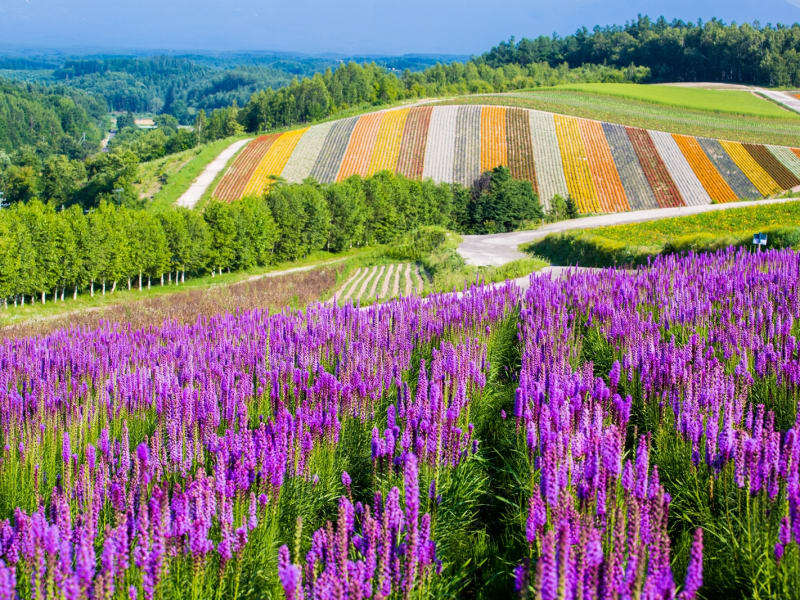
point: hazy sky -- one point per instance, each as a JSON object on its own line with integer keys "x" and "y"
{"x": 345, "y": 26}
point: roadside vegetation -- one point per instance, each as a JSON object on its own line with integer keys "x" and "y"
{"x": 637, "y": 243}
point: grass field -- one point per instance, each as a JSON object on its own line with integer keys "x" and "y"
{"x": 738, "y": 102}
{"x": 782, "y": 131}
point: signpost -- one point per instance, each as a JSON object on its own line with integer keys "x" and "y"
{"x": 759, "y": 239}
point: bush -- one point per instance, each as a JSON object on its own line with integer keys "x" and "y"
{"x": 418, "y": 244}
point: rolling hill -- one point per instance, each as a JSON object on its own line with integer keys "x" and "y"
{"x": 605, "y": 167}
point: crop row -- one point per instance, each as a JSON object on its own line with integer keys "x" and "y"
{"x": 273, "y": 162}
{"x": 411, "y": 161}
{"x": 707, "y": 174}
{"x": 305, "y": 154}
{"x": 520, "y": 147}
{"x": 386, "y": 152}
{"x": 440, "y": 148}
{"x": 576, "y": 165}
{"x": 547, "y": 157}
{"x": 742, "y": 186}
{"x": 754, "y": 171}
{"x": 328, "y": 162}
{"x": 467, "y": 151}
{"x": 381, "y": 282}
{"x": 605, "y": 167}
{"x": 613, "y": 434}
{"x": 231, "y": 186}
{"x": 494, "y": 140}
{"x": 610, "y": 192}
{"x": 362, "y": 141}
{"x": 637, "y": 189}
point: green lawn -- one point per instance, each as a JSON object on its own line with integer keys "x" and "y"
{"x": 783, "y": 131}
{"x": 737, "y": 102}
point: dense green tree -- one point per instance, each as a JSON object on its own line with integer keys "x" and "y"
{"x": 61, "y": 179}
{"x": 125, "y": 121}
{"x": 347, "y": 207}
{"x": 21, "y": 184}
{"x": 222, "y": 236}
{"x": 256, "y": 233}
{"x": 501, "y": 203}
{"x": 47, "y": 251}
{"x": 290, "y": 218}
{"x": 178, "y": 241}
{"x": 199, "y": 243}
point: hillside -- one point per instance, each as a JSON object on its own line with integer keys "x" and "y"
{"x": 605, "y": 167}
{"x": 56, "y": 119}
{"x": 646, "y": 114}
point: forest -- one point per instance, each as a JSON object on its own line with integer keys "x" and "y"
{"x": 53, "y": 120}
{"x": 673, "y": 51}
{"x": 45, "y": 252}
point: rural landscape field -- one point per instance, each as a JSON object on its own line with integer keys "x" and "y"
{"x": 321, "y": 304}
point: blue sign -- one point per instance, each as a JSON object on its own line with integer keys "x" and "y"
{"x": 760, "y": 239}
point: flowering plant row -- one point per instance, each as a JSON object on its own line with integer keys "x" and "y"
{"x": 604, "y": 167}
{"x": 605, "y": 435}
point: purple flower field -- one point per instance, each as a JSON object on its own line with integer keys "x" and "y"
{"x": 618, "y": 434}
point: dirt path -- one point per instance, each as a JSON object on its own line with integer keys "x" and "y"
{"x": 785, "y": 99}
{"x": 199, "y": 186}
{"x": 502, "y": 248}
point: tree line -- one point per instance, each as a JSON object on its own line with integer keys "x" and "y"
{"x": 48, "y": 253}
{"x": 672, "y": 51}
{"x": 352, "y": 85}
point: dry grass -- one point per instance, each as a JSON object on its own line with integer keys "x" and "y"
{"x": 274, "y": 293}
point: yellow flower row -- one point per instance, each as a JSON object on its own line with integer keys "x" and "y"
{"x": 273, "y": 162}
{"x": 765, "y": 184}
{"x": 576, "y": 164}
{"x": 387, "y": 146}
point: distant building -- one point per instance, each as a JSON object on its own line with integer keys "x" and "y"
{"x": 145, "y": 123}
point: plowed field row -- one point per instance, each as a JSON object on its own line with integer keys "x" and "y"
{"x": 381, "y": 282}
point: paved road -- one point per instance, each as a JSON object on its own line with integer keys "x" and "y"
{"x": 199, "y": 186}
{"x": 501, "y": 248}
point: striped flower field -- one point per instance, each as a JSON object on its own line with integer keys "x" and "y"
{"x": 381, "y": 282}
{"x": 603, "y": 166}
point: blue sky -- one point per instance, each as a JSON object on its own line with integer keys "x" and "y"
{"x": 344, "y": 26}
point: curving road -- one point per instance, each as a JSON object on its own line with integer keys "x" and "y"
{"x": 199, "y": 186}
{"x": 501, "y": 248}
